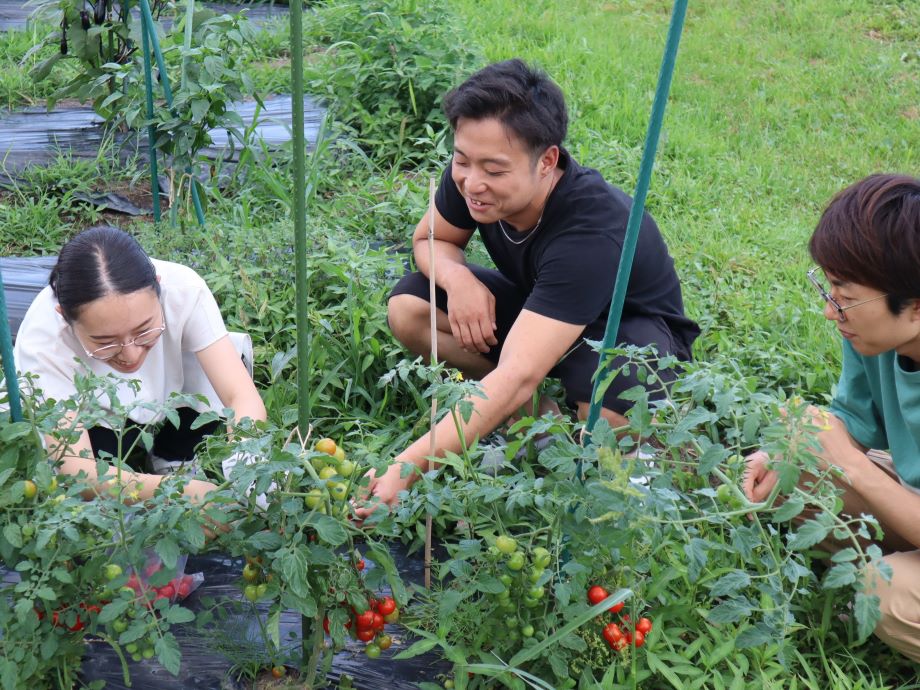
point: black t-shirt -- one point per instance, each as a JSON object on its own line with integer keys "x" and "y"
{"x": 568, "y": 268}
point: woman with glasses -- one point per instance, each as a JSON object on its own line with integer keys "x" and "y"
{"x": 867, "y": 246}
{"x": 110, "y": 309}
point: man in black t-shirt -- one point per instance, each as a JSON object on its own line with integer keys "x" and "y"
{"x": 554, "y": 230}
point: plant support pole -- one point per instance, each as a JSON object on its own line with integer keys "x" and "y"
{"x": 147, "y": 18}
{"x": 432, "y": 311}
{"x": 9, "y": 361}
{"x": 151, "y": 129}
{"x": 638, "y": 207}
{"x": 300, "y": 249}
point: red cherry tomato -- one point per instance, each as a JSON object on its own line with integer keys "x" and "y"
{"x": 166, "y": 592}
{"x": 644, "y": 626}
{"x": 613, "y": 635}
{"x": 326, "y": 625}
{"x": 365, "y": 621}
{"x": 386, "y": 606}
{"x": 378, "y": 621}
{"x": 597, "y": 594}
{"x": 616, "y": 608}
{"x": 366, "y": 635}
{"x": 360, "y": 565}
{"x": 639, "y": 638}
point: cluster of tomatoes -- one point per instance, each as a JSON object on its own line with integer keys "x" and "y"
{"x": 57, "y": 616}
{"x": 255, "y": 579}
{"x": 177, "y": 588}
{"x": 619, "y": 636}
{"x": 334, "y": 469}
{"x": 368, "y": 625}
{"x": 523, "y": 575}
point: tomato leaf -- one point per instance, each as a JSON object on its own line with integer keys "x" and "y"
{"x": 810, "y": 533}
{"x": 867, "y": 614}
{"x": 840, "y": 575}
{"x": 730, "y": 583}
{"x": 329, "y": 529}
{"x": 788, "y": 510}
{"x": 168, "y": 550}
{"x": 167, "y": 651}
{"x": 179, "y": 614}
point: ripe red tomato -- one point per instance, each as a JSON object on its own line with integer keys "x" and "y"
{"x": 378, "y": 621}
{"x": 639, "y": 638}
{"x": 386, "y": 606}
{"x": 597, "y": 594}
{"x": 326, "y": 625}
{"x": 644, "y": 626}
{"x": 616, "y": 608}
{"x": 613, "y": 634}
{"x": 166, "y": 592}
{"x": 360, "y": 565}
{"x": 365, "y": 621}
{"x": 366, "y": 634}
{"x": 278, "y": 671}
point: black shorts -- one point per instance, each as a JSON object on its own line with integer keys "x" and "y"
{"x": 169, "y": 442}
{"x": 577, "y": 367}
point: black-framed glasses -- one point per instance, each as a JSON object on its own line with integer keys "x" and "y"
{"x": 815, "y": 275}
{"x": 147, "y": 338}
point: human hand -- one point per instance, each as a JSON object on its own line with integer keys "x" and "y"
{"x": 759, "y": 479}
{"x": 836, "y": 445}
{"x": 471, "y": 313}
{"x": 382, "y": 492}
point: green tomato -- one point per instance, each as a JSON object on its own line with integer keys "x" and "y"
{"x": 506, "y": 579}
{"x": 147, "y": 653}
{"x": 536, "y": 592}
{"x": 251, "y": 592}
{"x": 319, "y": 462}
{"x": 506, "y": 544}
{"x": 516, "y": 560}
{"x": 530, "y": 602}
{"x": 28, "y": 530}
{"x": 327, "y": 473}
{"x": 535, "y": 575}
{"x": 314, "y": 498}
{"x": 251, "y": 572}
{"x": 338, "y": 490}
{"x": 541, "y": 558}
{"x": 527, "y": 631}
{"x": 262, "y": 590}
{"x": 29, "y": 489}
{"x": 507, "y": 605}
{"x": 372, "y": 650}
{"x": 511, "y": 622}
{"x": 119, "y": 625}
{"x": 347, "y": 468}
{"x": 131, "y": 648}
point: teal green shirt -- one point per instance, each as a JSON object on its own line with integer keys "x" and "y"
{"x": 879, "y": 402}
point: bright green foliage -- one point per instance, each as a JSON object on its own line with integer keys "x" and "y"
{"x": 385, "y": 68}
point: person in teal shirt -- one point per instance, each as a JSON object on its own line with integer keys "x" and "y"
{"x": 867, "y": 247}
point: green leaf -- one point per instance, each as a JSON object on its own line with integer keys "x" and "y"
{"x": 167, "y": 651}
{"x": 840, "y": 575}
{"x": 113, "y": 610}
{"x": 810, "y": 533}
{"x": 867, "y": 614}
{"x": 418, "y": 648}
{"x": 12, "y": 534}
{"x": 788, "y": 510}
{"x": 179, "y": 614}
{"x": 15, "y": 430}
{"x": 293, "y": 566}
{"x": 844, "y": 555}
{"x": 328, "y": 528}
{"x": 730, "y": 611}
{"x": 730, "y": 584}
{"x": 755, "y": 636}
{"x": 664, "y": 669}
{"x": 168, "y": 550}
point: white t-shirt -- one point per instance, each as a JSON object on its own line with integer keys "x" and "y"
{"x": 47, "y": 347}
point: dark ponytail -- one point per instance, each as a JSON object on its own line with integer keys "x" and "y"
{"x": 100, "y": 261}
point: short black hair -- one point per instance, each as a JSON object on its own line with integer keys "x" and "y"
{"x": 869, "y": 234}
{"x": 97, "y": 262}
{"x": 525, "y": 100}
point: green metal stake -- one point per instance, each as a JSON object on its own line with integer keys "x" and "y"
{"x": 638, "y": 206}
{"x": 151, "y": 130}
{"x": 9, "y": 361}
{"x": 300, "y": 253}
{"x": 148, "y": 29}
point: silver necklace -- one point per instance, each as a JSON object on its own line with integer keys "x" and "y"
{"x": 530, "y": 234}
{"x": 533, "y": 230}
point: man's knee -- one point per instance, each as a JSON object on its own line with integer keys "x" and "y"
{"x": 408, "y": 318}
{"x": 899, "y": 602}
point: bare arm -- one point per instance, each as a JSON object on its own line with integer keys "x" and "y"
{"x": 225, "y": 370}
{"x": 534, "y": 345}
{"x": 136, "y": 486}
{"x": 472, "y": 306}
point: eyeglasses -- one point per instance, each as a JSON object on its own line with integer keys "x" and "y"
{"x": 814, "y": 275}
{"x": 148, "y": 338}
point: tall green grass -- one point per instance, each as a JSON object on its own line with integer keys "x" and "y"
{"x": 774, "y": 107}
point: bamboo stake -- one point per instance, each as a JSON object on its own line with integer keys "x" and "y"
{"x": 432, "y": 310}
